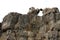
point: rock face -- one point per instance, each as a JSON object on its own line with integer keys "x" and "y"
{"x": 16, "y": 26}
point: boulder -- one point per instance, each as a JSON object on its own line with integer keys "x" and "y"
{"x": 10, "y": 20}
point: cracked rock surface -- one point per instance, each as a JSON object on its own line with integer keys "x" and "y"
{"x": 30, "y": 26}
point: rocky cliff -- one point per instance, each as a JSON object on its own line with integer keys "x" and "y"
{"x": 16, "y": 26}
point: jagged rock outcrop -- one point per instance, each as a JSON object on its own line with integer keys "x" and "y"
{"x": 16, "y": 26}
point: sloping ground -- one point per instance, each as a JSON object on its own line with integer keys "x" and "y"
{"x": 16, "y": 26}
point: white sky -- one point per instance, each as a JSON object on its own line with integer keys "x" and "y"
{"x": 22, "y": 6}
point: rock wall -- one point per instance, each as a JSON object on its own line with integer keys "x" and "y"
{"x": 16, "y": 26}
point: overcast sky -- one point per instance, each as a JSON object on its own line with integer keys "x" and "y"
{"x": 22, "y": 6}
